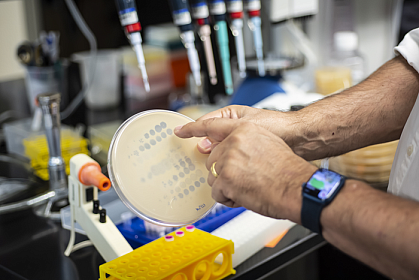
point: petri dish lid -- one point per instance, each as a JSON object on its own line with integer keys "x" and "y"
{"x": 158, "y": 176}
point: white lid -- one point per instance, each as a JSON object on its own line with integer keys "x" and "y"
{"x": 158, "y": 176}
{"x": 346, "y": 41}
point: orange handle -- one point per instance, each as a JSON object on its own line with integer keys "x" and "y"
{"x": 90, "y": 174}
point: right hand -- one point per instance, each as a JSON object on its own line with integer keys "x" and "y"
{"x": 276, "y": 122}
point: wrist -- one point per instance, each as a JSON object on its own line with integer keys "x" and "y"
{"x": 292, "y": 200}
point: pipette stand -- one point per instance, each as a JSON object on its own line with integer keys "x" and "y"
{"x": 50, "y": 105}
{"x": 104, "y": 235}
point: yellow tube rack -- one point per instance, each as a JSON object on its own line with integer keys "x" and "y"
{"x": 186, "y": 254}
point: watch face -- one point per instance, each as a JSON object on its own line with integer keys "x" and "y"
{"x": 322, "y": 184}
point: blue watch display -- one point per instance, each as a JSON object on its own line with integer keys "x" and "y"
{"x": 318, "y": 192}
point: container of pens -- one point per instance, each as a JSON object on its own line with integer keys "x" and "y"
{"x": 44, "y": 70}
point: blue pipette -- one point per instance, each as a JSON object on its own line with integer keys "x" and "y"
{"x": 235, "y": 10}
{"x": 182, "y": 18}
{"x": 129, "y": 20}
{"x": 200, "y": 13}
{"x": 218, "y": 11}
{"x": 253, "y": 10}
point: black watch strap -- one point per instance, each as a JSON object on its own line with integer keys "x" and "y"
{"x": 310, "y": 215}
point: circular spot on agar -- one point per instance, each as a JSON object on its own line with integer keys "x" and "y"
{"x": 192, "y": 167}
{"x": 163, "y": 124}
{"x": 188, "y": 181}
{"x": 136, "y": 153}
{"x": 180, "y": 195}
{"x": 193, "y": 176}
{"x": 157, "y": 128}
{"x": 177, "y": 189}
{"x": 197, "y": 184}
{"x": 169, "y": 131}
{"x": 186, "y": 192}
{"x": 147, "y": 146}
{"x": 202, "y": 180}
{"x": 199, "y": 172}
{"x": 163, "y": 135}
{"x": 152, "y": 132}
{"x": 181, "y": 175}
{"x": 191, "y": 188}
{"x": 171, "y": 191}
{"x": 188, "y": 160}
{"x": 170, "y": 182}
{"x": 182, "y": 163}
{"x": 146, "y": 136}
{"x": 153, "y": 142}
{"x": 141, "y": 148}
{"x": 175, "y": 177}
{"x": 158, "y": 138}
{"x": 186, "y": 170}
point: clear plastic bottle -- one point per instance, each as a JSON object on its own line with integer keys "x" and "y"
{"x": 346, "y": 55}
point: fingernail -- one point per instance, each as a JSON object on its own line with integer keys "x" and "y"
{"x": 205, "y": 144}
{"x": 177, "y": 128}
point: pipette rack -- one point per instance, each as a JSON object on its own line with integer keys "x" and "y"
{"x": 136, "y": 235}
{"x": 187, "y": 253}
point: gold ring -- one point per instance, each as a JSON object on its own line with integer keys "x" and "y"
{"x": 213, "y": 170}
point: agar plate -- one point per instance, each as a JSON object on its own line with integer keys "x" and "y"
{"x": 159, "y": 176}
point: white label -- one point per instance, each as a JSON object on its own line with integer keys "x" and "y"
{"x": 200, "y": 12}
{"x": 234, "y": 6}
{"x": 252, "y": 5}
{"x": 182, "y": 18}
{"x": 218, "y": 8}
{"x": 128, "y": 18}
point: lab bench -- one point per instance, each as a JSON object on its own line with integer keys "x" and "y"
{"x": 32, "y": 247}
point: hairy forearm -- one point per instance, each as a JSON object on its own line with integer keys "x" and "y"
{"x": 377, "y": 228}
{"x": 372, "y": 112}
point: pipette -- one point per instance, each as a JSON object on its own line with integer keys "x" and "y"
{"x": 182, "y": 18}
{"x": 218, "y": 11}
{"x": 253, "y": 10}
{"x": 235, "y": 10}
{"x": 200, "y": 13}
{"x": 132, "y": 27}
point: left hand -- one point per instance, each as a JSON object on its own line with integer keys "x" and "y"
{"x": 255, "y": 168}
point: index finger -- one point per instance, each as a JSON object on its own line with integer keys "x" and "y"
{"x": 215, "y": 128}
{"x": 229, "y": 112}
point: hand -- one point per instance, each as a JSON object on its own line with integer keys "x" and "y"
{"x": 255, "y": 168}
{"x": 279, "y": 123}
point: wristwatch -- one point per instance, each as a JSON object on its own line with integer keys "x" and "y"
{"x": 318, "y": 192}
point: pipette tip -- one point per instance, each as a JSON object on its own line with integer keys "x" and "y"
{"x": 146, "y": 85}
{"x": 214, "y": 81}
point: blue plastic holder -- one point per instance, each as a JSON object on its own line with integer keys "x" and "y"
{"x": 137, "y": 236}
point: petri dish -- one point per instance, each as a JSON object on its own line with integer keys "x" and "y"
{"x": 159, "y": 176}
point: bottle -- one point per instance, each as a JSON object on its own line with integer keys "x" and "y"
{"x": 345, "y": 67}
{"x": 346, "y": 55}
